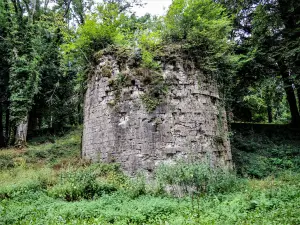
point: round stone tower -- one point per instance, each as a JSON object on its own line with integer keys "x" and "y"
{"x": 141, "y": 117}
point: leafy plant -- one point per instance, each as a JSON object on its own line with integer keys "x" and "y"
{"x": 196, "y": 178}
{"x": 83, "y": 184}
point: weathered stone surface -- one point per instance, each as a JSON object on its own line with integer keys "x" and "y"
{"x": 189, "y": 124}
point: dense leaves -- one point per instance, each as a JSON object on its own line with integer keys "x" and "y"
{"x": 266, "y": 37}
{"x": 48, "y": 48}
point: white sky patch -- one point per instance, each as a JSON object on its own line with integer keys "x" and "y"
{"x": 154, "y": 7}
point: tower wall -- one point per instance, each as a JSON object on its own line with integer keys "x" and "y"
{"x": 189, "y": 123}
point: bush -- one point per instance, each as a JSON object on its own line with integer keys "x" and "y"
{"x": 136, "y": 186}
{"x": 73, "y": 186}
{"x": 86, "y": 183}
{"x": 196, "y": 178}
{"x": 13, "y": 191}
{"x": 19, "y": 181}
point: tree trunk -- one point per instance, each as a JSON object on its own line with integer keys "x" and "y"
{"x": 7, "y": 125}
{"x": 270, "y": 116}
{"x": 298, "y": 95}
{"x": 290, "y": 94}
{"x": 21, "y": 133}
{"x": 2, "y": 140}
{"x": 33, "y": 121}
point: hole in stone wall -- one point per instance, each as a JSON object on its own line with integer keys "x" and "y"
{"x": 200, "y": 132}
{"x": 147, "y": 80}
{"x": 151, "y": 120}
{"x": 213, "y": 100}
{"x": 173, "y": 62}
{"x": 170, "y": 154}
{"x": 133, "y": 82}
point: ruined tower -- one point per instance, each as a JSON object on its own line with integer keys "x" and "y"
{"x": 140, "y": 117}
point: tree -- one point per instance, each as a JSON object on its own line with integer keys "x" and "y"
{"x": 32, "y": 69}
{"x": 4, "y": 73}
{"x": 268, "y": 43}
{"x": 203, "y": 28}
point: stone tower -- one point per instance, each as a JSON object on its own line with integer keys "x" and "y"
{"x": 141, "y": 117}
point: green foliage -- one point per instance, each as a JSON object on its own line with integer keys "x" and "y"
{"x": 24, "y": 85}
{"x": 201, "y": 25}
{"x": 196, "y": 177}
{"x": 40, "y": 195}
{"x": 136, "y": 187}
{"x": 82, "y": 184}
{"x": 156, "y": 90}
{"x": 198, "y": 22}
{"x": 266, "y": 37}
{"x": 14, "y": 191}
{"x": 150, "y": 76}
{"x": 203, "y": 29}
{"x": 263, "y": 155}
{"x": 150, "y": 102}
{"x": 263, "y": 201}
{"x": 101, "y": 29}
{"x": 62, "y": 149}
{"x": 6, "y": 161}
{"x": 56, "y": 152}
{"x": 34, "y": 84}
{"x": 150, "y": 44}
{"x": 121, "y": 81}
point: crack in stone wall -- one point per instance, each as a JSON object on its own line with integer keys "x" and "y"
{"x": 189, "y": 124}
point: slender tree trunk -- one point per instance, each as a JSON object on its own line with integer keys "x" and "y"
{"x": 33, "y": 121}
{"x": 7, "y": 125}
{"x": 21, "y": 133}
{"x": 290, "y": 94}
{"x": 40, "y": 120}
{"x": 79, "y": 113}
{"x": 270, "y": 116}
{"x": 2, "y": 140}
{"x": 298, "y": 95}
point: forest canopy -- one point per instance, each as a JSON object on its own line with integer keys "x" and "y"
{"x": 48, "y": 47}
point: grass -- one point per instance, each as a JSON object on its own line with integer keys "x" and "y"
{"x": 48, "y": 184}
{"x": 57, "y": 152}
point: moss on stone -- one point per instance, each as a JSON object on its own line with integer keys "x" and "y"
{"x": 150, "y": 102}
{"x": 112, "y": 103}
{"x": 150, "y": 77}
{"x": 106, "y": 71}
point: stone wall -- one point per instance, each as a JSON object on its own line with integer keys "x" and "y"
{"x": 189, "y": 123}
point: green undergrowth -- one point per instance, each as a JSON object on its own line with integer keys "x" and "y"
{"x": 63, "y": 189}
{"x": 268, "y": 201}
{"x": 53, "y": 150}
{"x": 262, "y": 155}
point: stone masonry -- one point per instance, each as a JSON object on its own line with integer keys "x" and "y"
{"x": 189, "y": 124}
